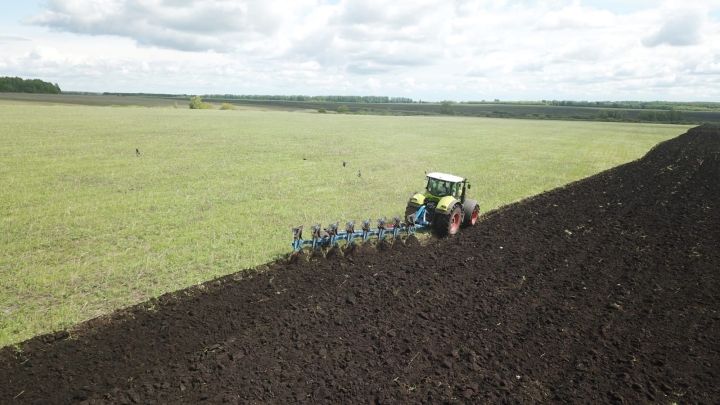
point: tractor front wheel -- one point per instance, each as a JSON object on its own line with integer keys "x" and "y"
{"x": 449, "y": 224}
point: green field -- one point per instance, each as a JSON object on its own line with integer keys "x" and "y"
{"x": 86, "y": 226}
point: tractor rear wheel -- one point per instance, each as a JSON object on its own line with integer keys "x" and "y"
{"x": 449, "y": 224}
{"x": 472, "y": 212}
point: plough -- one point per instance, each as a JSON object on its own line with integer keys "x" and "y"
{"x": 332, "y": 236}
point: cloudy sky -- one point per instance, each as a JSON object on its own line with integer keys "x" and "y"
{"x": 424, "y": 49}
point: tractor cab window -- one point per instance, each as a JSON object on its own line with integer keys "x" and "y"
{"x": 457, "y": 190}
{"x": 438, "y": 187}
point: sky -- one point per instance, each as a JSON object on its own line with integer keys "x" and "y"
{"x": 423, "y": 49}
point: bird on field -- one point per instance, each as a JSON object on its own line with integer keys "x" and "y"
{"x": 344, "y": 163}
{"x": 359, "y": 174}
{"x": 137, "y": 152}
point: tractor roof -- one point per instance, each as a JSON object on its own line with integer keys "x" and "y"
{"x": 445, "y": 177}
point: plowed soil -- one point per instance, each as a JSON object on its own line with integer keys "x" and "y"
{"x": 606, "y": 290}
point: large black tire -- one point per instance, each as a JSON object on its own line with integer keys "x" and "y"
{"x": 471, "y": 209}
{"x": 448, "y": 225}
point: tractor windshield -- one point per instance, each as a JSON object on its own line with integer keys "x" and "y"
{"x": 439, "y": 187}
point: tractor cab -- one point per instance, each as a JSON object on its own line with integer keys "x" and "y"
{"x": 441, "y": 185}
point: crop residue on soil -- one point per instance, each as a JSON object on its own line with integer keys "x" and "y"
{"x": 606, "y": 290}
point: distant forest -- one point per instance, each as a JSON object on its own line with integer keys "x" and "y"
{"x": 19, "y": 85}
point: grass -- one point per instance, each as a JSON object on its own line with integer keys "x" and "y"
{"x": 88, "y": 227}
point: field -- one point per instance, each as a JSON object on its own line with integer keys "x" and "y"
{"x": 88, "y": 226}
{"x": 601, "y": 291}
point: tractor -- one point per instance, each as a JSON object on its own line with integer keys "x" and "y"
{"x": 443, "y": 206}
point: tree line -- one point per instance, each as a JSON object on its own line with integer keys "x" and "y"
{"x": 20, "y": 85}
{"x": 637, "y": 105}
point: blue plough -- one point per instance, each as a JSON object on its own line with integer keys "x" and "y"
{"x": 332, "y": 235}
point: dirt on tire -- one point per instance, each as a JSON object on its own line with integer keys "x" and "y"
{"x": 605, "y": 290}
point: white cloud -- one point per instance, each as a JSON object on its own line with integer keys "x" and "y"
{"x": 681, "y": 28}
{"x": 428, "y": 49}
{"x": 576, "y": 16}
{"x": 176, "y": 24}
{"x": 11, "y": 38}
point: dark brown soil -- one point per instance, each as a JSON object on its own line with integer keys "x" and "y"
{"x": 606, "y": 290}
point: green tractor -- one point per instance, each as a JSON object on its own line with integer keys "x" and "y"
{"x": 443, "y": 206}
